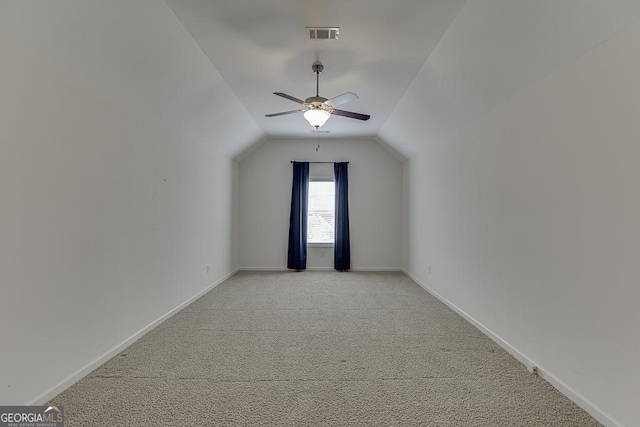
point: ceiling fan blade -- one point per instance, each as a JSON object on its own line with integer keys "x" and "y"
{"x": 284, "y": 113}
{"x": 289, "y": 97}
{"x": 350, "y": 114}
{"x": 342, "y": 99}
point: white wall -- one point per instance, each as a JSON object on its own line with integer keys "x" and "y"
{"x": 530, "y": 219}
{"x": 107, "y": 222}
{"x": 375, "y": 203}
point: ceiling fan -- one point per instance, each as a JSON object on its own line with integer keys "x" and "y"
{"x": 317, "y": 108}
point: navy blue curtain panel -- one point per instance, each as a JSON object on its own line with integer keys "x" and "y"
{"x": 342, "y": 247}
{"x": 297, "y": 256}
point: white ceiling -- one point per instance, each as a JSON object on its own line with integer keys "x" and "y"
{"x": 492, "y": 51}
{"x": 138, "y": 52}
{"x": 207, "y": 68}
{"x": 260, "y": 47}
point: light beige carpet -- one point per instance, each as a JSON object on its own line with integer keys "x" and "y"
{"x": 314, "y": 349}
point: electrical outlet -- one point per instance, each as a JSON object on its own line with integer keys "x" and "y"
{"x": 207, "y": 268}
{"x": 429, "y": 268}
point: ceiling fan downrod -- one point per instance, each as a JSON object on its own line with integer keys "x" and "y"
{"x": 317, "y": 68}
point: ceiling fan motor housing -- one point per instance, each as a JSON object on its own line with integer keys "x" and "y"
{"x": 315, "y": 101}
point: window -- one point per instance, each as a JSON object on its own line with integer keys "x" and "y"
{"x": 321, "y": 212}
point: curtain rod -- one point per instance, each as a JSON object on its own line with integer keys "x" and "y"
{"x": 297, "y": 161}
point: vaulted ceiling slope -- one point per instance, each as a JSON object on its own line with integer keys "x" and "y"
{"x": 493, "y": 50}
{"x": 423, "y": 69}
{"x": 139, "y": 51}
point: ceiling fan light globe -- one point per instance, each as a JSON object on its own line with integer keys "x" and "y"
{"x": 317, "y": 118}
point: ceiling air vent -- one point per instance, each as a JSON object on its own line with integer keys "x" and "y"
{"x": 323, "y": 33}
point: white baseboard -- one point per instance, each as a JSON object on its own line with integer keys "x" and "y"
{"x": 508, "y": 347}
{"x": 592, "y": 409}
{"x": 381, "y": 269}
{"x": 75, "y": 377}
